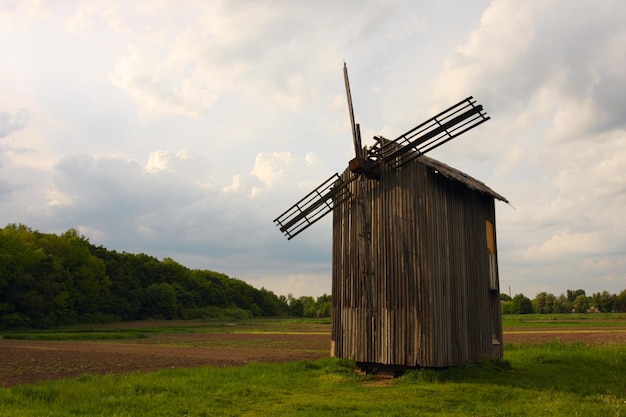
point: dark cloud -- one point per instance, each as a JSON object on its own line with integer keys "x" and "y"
{"x": 609, "y": 95}
{"x": 114, "y": 191}
{"x": 160, "y": 209}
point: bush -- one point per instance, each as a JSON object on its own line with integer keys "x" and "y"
{"x": 13, "y": 321}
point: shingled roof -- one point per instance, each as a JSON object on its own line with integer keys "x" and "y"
{"x": 454, "y": 174}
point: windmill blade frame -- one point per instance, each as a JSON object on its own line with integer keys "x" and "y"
{"x": 314, "y": 206}
{"x": 356, "y": 134}
{"x": 432, "y": 133}
{"x": 426, "y": 136}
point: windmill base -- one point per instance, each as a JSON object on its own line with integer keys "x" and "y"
{"x": 381, "y": 370}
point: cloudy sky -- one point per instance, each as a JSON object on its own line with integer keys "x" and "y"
{"x": 182, "y": 129}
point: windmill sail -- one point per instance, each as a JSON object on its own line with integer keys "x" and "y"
{"x": 423, "y": 138}
{"x": 430, "y": 134}
{"x": 313, "y": 206}
{"x": 356, "y": 134}
{"x": 436, "y": 131}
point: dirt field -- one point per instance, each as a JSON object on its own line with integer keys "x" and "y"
{"x": 24, "y": 361}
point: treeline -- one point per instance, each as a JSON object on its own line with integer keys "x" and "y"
{"x": 49, "y": 280}
{"x": 575, "y": 301}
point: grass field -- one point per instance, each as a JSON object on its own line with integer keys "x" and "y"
{"x": 546, "y": 379}
{"x": 564, "y": 320}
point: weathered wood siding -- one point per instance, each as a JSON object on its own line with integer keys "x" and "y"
{"x": 411, "y": 272}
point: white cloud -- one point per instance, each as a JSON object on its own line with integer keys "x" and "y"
{"x": 152, "y": 86}
{"x": 282, "y": 167}
{"x": 234, "y": 186}
{"x": 566, "y": 244}
{"x": 265, "y": 166}
{"x": 158, "y": 161}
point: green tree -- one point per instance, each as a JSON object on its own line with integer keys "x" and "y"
{"x": 53, "y": 279}
{"x": 243, "y": 296}
{"x": 506, "y": 307}
{"x": 161, "y": 302}
{"x": 521, "y": 305}
{"x": 562, "y": 305}
{"x": 324, "y": 305}
{"x": 620, "y": 302}
{"x": 48, "y": 280}
{"x": 572, "y": 295}
{"x": 209, "y": 289}
{"x": 296, "y": 306}
{"x": 270, "y": 303}
{"x": 310, "y": 307}
{"x": 603, "y": 301}
{"x": 85, "y": 274}
{"x": 581, "y": 304}
{"x": 544, "y": 303}
{"x": 126, "y": 292}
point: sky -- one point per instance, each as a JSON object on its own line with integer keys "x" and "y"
{"x": 182, "y": 129}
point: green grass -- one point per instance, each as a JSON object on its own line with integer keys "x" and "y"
{"x": 551, "y": 379}
{"x": 564, "y": 320}
{"x": 75, "y": 335}
{"x": 145, "y": 329}
{"x": 167, "y": 333}
{"x": 294, "y": 325}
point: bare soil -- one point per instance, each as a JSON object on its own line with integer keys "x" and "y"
{"x": 23, "y": 362}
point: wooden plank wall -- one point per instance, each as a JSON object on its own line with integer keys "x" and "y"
{"x": 411, "y": 272}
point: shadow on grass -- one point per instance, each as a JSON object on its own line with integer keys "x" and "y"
{"x": 574, "y": 368}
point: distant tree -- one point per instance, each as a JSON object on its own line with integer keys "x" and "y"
{"x": 296, "y": 306}
{"x": 506, "y": 307}
{"x": 620, "y": 302}
{"x": 603, "y": 301}
{"x": 209, "y": 288}
{"x": 269, "y": 303}
{"x": 310, "y": 307}
{"x": 505, "y": 297}
{"x": 49, "y": 280}
{"x": 562, "y": 305}
{"x": 521, "y": 305}
{"x": 544, "y": 303}
{"x": 581, "y": 304}
{"x": 324, "y": 305}
{"x": 615, "y": 303}
{"x": 572, "y": 295}
{"x": 161, "y": 302}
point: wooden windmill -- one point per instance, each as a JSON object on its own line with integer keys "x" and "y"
{"x": 415, "y": 276}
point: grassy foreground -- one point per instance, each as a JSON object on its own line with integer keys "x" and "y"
{"x": 534, "y": 380}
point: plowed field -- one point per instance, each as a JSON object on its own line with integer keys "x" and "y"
{"x": 25, "y": 361}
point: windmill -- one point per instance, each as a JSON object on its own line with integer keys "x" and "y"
{"x": 393, "y": 276}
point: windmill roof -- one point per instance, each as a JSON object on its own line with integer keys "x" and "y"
{"x": 454, "y": 174}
